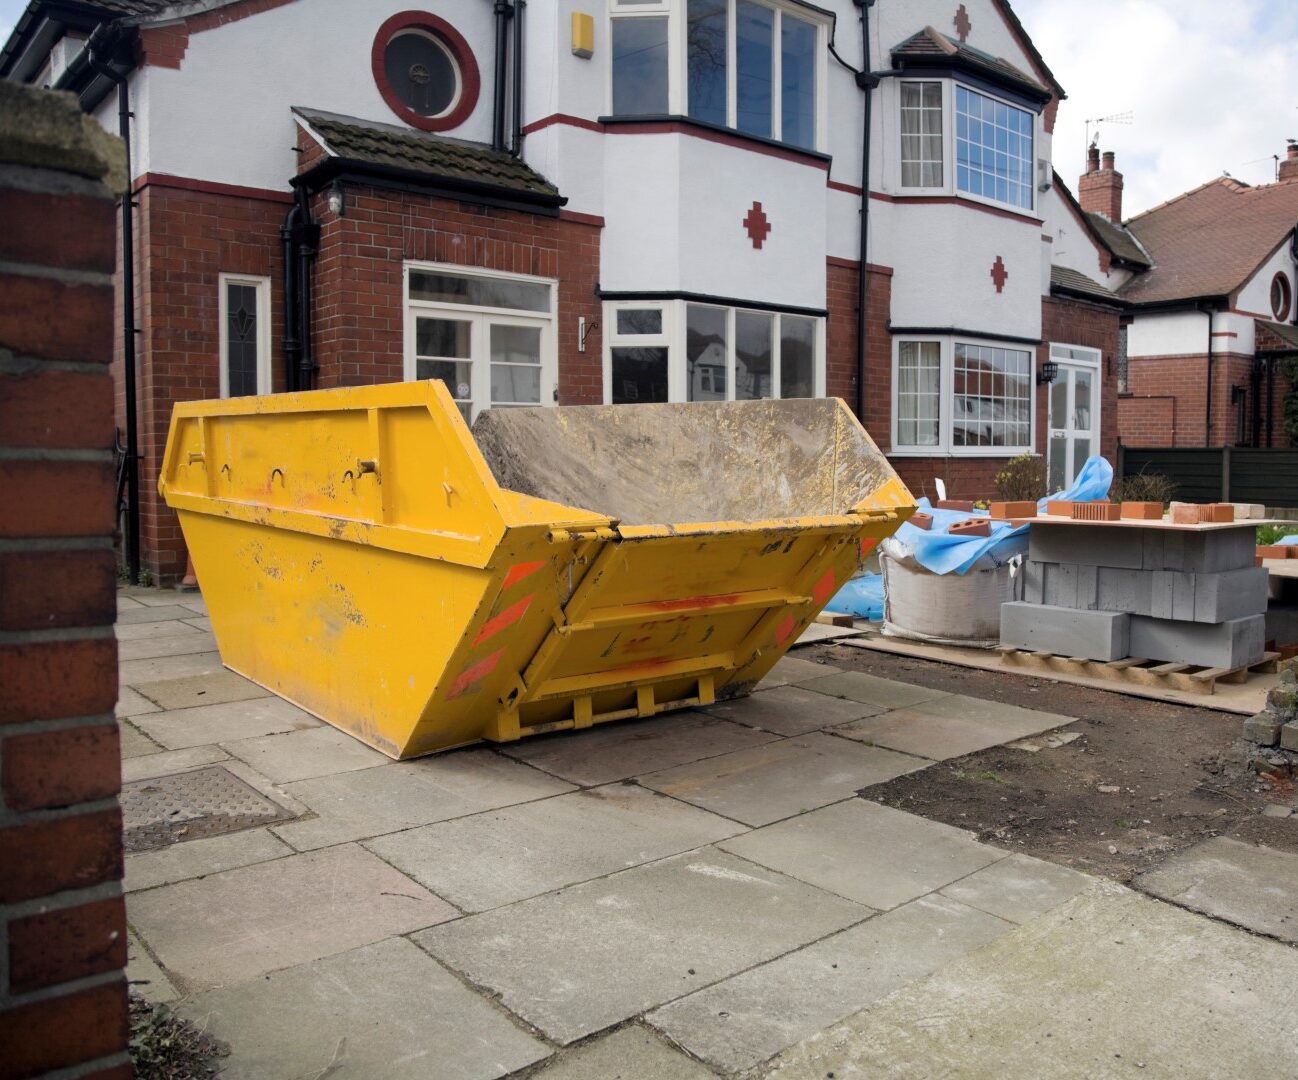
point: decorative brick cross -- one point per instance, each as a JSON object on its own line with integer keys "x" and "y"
{"x": 758, "y": 227}
{"x": 999, "y": 274}
{"x": 962, "y": 23}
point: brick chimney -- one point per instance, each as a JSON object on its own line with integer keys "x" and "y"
{"x": 1289, "y": 164}
{"x": 1100, "y": 190}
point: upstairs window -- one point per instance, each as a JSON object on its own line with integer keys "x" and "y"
{"x": 748, "y": 65}
{"x": 994, "y": 152}
{"x": 921, "y": 134}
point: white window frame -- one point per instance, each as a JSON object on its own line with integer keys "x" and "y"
{"x": 950, "y": 185}
{"x": 673, "y": 338}
{"x": 481, "y": 317}
{"x": 1092, "y": 361}
{"x": 677, "y": 12}
{"x": 262, "y": 285}
{"x": 945, "y": 446}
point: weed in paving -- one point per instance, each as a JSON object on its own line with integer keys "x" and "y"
{"x": 165, "y": 1046}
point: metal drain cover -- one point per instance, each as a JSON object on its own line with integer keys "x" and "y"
{"x": 190, "y": 806}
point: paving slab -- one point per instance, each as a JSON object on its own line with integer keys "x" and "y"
{"x": 767, "y": 783}
{"x": 818, "y": 632}
{"x": 384, "y": 1010}
{"x": 300, "y": 755}
{"x": 886, "y": 693}
{"x": 1018, "y": 888}
{"x": 133, "y": 743}
{"x": 1252, "y": 886}
{"x": 401, "y": 795}
{"x": 198, "y": 858}
{"x": 140, "y": 631}
{"x": 149, "y": 613}
{"x": 147, "y": 596}
{"x": 627, "y": 748}
{"x": 629, "y": 1053}
{"x": 790, "y": 710}
{"x": 746, "y": 1019}
{"x": 496, "y": 858}
{"x": 178, "y": 644}
{"x": 577, "y": 961}
{"x": 200, "y": 622}
{"x": 126, "y": 603}
{"x": 790, "y": 670}
{"x": 239, "y": 924}
{"x": 1108, "y": 984}
{"x": 210, "y": 688}
{"x": 141, "y": 674}
{"x": 148, "y": 766}
{"x": 227, "y": 722}
{"x": 144, "y": 976}
{"x": 866, "y": 852}
{"x": 195, "y": 603}
{"x": 951, "y": 727}
{"x": 131, "y": 703}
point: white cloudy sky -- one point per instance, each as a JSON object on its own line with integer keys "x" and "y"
{"x": 1212, "y": 84}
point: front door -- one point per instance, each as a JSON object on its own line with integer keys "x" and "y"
{"x": 1074, "y": 413}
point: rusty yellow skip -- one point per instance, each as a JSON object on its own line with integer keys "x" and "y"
{"x": 364, "y": 556}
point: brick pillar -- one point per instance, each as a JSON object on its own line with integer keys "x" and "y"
{"x": 62, "y": 917}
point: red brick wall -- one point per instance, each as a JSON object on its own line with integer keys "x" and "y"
{"x": 359, "y": 308}
{"x": 841, "y": 350}
{"x": 62, "y": 917}
{"x": 1167, "y": 400}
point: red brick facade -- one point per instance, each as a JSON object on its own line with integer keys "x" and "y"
{"x": 1167, "y": 399}
{"x": 63, "y": 1003}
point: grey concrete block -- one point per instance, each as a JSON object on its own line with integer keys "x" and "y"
{"x": 1160, "y": 594}
{"x": 1096, "y": 635}
{"x": 1289, "y": 735}
{"x": 1263, "y": 729}
{"x": 1124, "y": 590}
{"x": 1227, "y": 644}
{"x": 1034, "y": 574}
{"x": 1090, "y": 545}
{"x": 1216, "y": 551}
{"x": 1070, "y": 585}
{"x": 1232, "y": 594}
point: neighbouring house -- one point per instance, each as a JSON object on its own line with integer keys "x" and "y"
{"x": 584, "y": 201}
{"x": 1207, "y": 283}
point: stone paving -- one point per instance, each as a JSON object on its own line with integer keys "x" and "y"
{"x": 701, "y": 894}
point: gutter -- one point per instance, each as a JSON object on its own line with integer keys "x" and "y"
{"x": 867, "y": 81}
{"x": 1207, "y": 411}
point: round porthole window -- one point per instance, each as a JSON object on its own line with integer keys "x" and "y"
{"x": 425, "y": 71}
{"x": 1281, "y": 297}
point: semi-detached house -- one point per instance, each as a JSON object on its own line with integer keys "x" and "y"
{"x": 583, "y": 201}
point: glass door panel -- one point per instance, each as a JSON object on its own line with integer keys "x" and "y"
{"x": 444, "y": 350}
{"x": 515, "y": 365}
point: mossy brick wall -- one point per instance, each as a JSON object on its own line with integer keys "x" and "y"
{"x": 63, "y": 943}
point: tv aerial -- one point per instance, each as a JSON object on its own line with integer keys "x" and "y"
{"x": 1128, "y": 117}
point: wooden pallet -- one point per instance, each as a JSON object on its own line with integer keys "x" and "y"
{"x": 1192, "y": 678}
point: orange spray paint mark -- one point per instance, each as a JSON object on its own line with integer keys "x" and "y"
{"x": 824, "y": 589}
{"x": 522, "y": 570}
{"x": 785, "y": 630}
{"x": 474, "y": 674}
{"x": 868, "y": 546}
{"x": 506, "y": 618}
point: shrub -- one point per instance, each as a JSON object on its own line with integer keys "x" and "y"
{"x": 1142, "y": 487}
{"x": 1023, "y": 478}
{"x": 1269, "y": 534}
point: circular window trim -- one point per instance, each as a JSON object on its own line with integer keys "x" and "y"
{"x": 1281, "y": 312}
{"x": 453, "y": 42}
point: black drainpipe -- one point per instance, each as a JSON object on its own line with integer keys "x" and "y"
{"x": 306, "y": 235}
{"x": 291, "y": 345}
{"x": 516, "y": 141}
{"x": 502, "y": 9}
{"x": 128, "y": 297}
{"x": 867, "y": 81}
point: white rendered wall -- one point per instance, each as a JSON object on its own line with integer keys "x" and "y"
{"x": 1180, "y": 333}
{"x": 224, "y": 116}
{"x": 1255, "y": 297}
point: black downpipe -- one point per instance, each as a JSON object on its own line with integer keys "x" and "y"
{"x": 128, "y": 312}
{"x": 502, "y": 11}
{"x": 867, "y": 82}
{"x": 291, "y": 344}
{"x": 307, "y": 236}
{"x": 516, "y": 139}
{"x": 1255, "y": 390}
{"x": 1270, "y": 400}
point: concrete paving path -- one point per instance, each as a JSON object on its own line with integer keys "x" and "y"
{"x": 701, "y": 894}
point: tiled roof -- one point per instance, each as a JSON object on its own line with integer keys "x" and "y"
{"x": 436, "y": 156}
{"x": 1210, "y": 241}
{"x": 933, "y": 46}
{"x": 1120, "y": 242}
{"x": 1286, "y": 332}
{"x": 1075, "y": 283}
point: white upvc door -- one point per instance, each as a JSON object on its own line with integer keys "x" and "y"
{"x": 1074, "y": 421}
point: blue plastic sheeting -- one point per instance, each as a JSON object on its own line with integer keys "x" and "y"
{"x": 861, "y": 597}
{"x": 1288, "y": 541}
{"x": 938, "y": 551}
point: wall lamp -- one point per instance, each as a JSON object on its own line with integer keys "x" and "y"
{"x": 337, "y": 200}
{"x": 1047, "y": 373}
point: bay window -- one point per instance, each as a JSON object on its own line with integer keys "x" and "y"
{"x": 990, "y": 142}
{"x": 751, "y": 65}
{"x": 676, "y": 350}
{"x": 962, "y": 398}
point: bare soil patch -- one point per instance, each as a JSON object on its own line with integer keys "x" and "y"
{"x": 1145, "y": 780}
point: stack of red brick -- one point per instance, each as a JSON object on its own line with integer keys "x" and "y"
{"x": 62, "y": 992}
